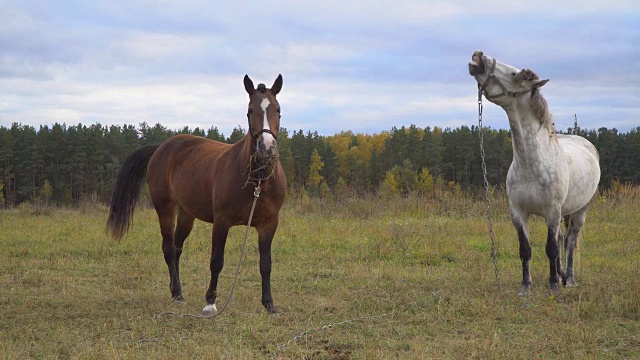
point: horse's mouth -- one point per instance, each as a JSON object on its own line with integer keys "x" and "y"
{"x": 267, "y": 156}
{"x": 476, "y": 65}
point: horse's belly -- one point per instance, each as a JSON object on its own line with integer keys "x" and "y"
{"x": 197, "y": 205}
{"x": 529, "y": 198}
{"x": 581, "y": 191}
{"x": 192, "y": 192}
{"x": 584, "y": 172}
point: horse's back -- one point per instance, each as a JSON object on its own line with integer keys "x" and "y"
{"x": 184, "y": 142}
{"x": 584, "y": 171}
{"x": 179, "y": 173}
{"x": 186, "y": 154}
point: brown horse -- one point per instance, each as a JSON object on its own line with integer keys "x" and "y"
{"x": 191, "y": 177}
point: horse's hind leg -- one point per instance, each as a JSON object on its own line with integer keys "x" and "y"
{"x": 559, "y": 240}
{"x": 562, "y": 238}
{"x": 573, "y": 229}
{"x": 167, "y": 219}
{"x": 184, "y": 225}
{"x": 553, "y": 251}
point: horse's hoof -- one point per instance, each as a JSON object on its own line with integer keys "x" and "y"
{"x": 179, "y": 298}
{"x": 526, "y": 290}
{"x": 178, "y": 302}
{"x": 271, "y": 309}
{"x": 553, "y": 289}
{"x": 570, "y": 283}
{"x": 209, "y": 309}
{"x": 274, "y": 313}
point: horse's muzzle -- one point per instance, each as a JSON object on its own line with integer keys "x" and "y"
{"x": 267, "y": 149}
{"x": 475, "y": 69}
{"x": 476, "y": 65}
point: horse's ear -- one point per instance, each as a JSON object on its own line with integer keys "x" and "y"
{"x": 540, "y": 83}
{"x": 277, "y": 85}
{"x": 248, "y": 85}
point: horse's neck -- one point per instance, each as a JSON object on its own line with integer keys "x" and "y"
{"x": 533, "y": 141}
{"x": 248, "y": 148}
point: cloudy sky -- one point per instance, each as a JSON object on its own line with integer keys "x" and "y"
{"x": 360, "y": 65}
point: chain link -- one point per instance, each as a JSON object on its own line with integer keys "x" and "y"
{"x": 486, "y": 189}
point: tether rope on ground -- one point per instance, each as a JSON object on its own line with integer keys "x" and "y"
{"x": 320, "y": 329}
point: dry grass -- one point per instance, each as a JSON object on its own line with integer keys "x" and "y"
{"x": 69, "y": 292}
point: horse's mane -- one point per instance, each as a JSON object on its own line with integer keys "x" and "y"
{"x": 538, "y": 103}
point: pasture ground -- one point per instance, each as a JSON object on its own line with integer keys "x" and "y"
{"x": 413, "y": 274}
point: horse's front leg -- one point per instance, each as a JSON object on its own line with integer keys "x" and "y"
{"x": 525, "y": 257}
{"x": 520, "y": 222}
{"x": 265, "y": 237}
{"x": 218, "y": 241}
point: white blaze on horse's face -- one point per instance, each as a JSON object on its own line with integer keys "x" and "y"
{"x": 268, "y": 141}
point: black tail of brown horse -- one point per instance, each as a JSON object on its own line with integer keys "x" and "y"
{"x": 127, "y": 190}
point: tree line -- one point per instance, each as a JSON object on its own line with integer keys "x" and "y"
{"x": 65, "y": 164}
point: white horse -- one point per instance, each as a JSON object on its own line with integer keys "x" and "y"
{"x": 551, "y": 175}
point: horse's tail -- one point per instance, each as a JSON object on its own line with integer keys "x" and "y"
{"x": 127, "y": 190}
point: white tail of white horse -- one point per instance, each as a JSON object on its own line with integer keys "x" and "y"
{"x": 551, "y": 175}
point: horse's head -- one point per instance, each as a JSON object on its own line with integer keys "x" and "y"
{"x": 264, "y": 116}
{"x": 501, "y": 83}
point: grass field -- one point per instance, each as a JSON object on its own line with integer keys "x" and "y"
{"x": 358, "y": 279}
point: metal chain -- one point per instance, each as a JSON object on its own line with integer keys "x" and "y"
{"x": 486, "y": 189}
{"x": 256, "y": 195}
{"x": 319, "y": 329}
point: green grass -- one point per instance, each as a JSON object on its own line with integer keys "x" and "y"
{"x": 67, "y": 291}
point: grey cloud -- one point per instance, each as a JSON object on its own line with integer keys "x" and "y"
{"x": 361, "y": 65}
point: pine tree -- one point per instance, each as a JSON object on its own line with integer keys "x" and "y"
{"x": 236, "y": 135}
{"x": 214, "y": 134}
{"x": 7, "y": 145}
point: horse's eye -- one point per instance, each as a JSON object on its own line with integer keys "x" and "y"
{"x": 278, "y": 110}
{"x": 513, "y": 74}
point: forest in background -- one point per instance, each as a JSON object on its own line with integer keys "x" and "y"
{"x": 65, "y": 164}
